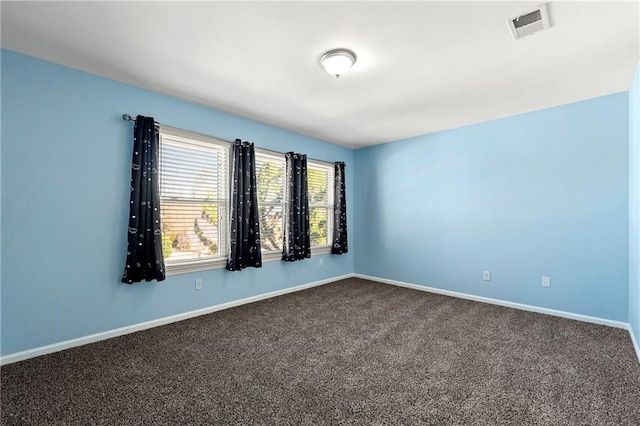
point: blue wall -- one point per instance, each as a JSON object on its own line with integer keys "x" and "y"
{"x": 65, "y": 171}
{"x": 634, "y": 206}
{"x": 532, "y": 195}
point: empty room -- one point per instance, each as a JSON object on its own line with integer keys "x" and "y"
{"x": 230, "y": 213}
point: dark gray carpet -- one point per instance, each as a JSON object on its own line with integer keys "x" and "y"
{"x": 351, "y": 352}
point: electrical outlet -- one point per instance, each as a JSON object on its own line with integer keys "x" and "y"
{"x": 546, "y": 282}
{"x": 486, "y": 275}
{"x": 199, "y": 284}
{"x": 321, "y": 263}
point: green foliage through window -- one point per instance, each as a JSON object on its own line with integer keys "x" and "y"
{"x": 270, "y": 182}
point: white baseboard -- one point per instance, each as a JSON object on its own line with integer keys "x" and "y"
{"x": 531, "y": 308}
{"x": 56, "y": 347}
{"x": 636, "y": 343}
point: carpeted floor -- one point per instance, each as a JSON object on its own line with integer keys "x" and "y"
{"x": 350, "y": 352}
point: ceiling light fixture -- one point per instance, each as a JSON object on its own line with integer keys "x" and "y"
{"x": 338, "y": 61}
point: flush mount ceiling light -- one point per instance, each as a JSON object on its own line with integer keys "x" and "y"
{"x": 338, "y": 61}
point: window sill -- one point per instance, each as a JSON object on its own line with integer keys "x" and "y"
{"x": 321, "y": 250}
{"x": 185, "y": 268}
{"x": 270, "y": 256}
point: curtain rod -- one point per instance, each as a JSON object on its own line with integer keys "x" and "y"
{"x": 127, "y": 117}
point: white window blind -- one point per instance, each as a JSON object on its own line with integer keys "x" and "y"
{"x": 270, "y": 177}
{"x": 320, "y": 187}
{"x": 194, "y": 202}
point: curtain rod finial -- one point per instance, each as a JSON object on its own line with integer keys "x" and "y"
{"x": 127, "y": 117}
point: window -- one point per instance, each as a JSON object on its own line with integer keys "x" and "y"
{"x": 270, "y": 177}
{"x": 320, "y": 187}
{"x": 270, "y": 173}
{"x": 194, "y": 203}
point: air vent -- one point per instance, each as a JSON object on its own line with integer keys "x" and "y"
{"x": 529, "y": 23}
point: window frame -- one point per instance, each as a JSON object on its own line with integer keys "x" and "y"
{"x": 269, "y": 255}
{"x": 329, "y": 205}
{"x": 220, "y": 261}
{"x": 223, "y": 203}
{"x": 317, "y": 164}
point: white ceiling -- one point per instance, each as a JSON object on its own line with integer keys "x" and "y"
{"x": 422, "y": 66}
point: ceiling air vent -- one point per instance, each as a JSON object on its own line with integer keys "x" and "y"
{"x": 530, "y": 22}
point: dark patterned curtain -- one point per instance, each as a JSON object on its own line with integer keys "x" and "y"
{"x": 297, "y": 240}
{"x": 339, "y": 245}
{"x": 144, "y": 249}
{"x": 245, "y": 222}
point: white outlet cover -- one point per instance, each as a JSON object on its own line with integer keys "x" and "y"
{"x": 546, "y": 282}
{"x": 198, "y": 284}
{"x": 486, "y": 275}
